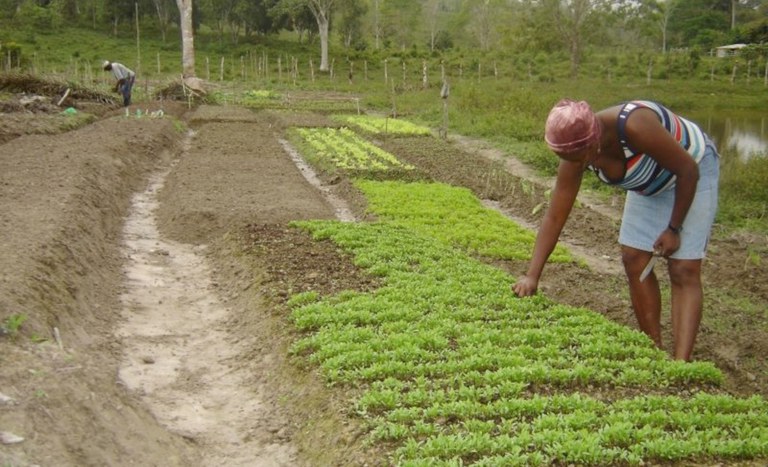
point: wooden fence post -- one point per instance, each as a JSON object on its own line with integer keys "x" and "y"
{"x": 444, "y": 93}
{"x": 649, "y": 71}
{"x": 765, "y": 74}
{"x": 312, "y": 69}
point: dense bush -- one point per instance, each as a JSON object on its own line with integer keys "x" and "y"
{"x": 42, "y": 20}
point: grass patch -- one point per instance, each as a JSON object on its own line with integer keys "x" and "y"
{"x": 743, "y": 198}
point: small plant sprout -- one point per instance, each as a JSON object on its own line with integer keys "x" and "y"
{"x": 13, "y": 323}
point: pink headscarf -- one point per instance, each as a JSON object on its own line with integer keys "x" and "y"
{"x": 571, "y": 126}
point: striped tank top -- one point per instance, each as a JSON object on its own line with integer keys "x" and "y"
{"x": 642, "y": 173}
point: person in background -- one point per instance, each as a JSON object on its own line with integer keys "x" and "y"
{"x": 670, "y": 169}
{"x": 125, "y": 78}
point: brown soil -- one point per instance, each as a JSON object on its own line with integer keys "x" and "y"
{"x": 153, "y": 265}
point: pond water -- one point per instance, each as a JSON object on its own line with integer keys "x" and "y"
{"x": 742, "y": 135}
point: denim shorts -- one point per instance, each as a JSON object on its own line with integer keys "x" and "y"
{"x": 646, "y": 217}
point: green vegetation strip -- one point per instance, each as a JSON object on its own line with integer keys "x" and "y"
{"x": 348, "y": 151}
{"x": 269, "y": 99}
{"x": 385, "y": 125}
{"x": 452, "y": 369}
{"x": 454, "y": 215}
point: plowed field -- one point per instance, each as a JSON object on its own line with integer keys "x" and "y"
{"x": 153, "y": 262}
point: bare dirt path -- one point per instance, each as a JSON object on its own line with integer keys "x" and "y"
{"x": 184, "y": 357}
{"x": 179, "y": 355}
{"x": 63, "y": 200}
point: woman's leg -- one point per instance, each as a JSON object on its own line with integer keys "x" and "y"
{"x": 687, "y": 303}
{"x": 645, "y": 295}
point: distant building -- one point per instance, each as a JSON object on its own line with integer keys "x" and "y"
{"x": 729, "y": 50}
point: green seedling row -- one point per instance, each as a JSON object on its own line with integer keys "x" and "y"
{"x": 383, "y": 125}
{"x": 454, "y": 215}
{"x": 348, "y": 151}
{"x": 450, "y": 368}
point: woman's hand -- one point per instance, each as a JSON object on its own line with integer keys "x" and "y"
{"x": 667, "y": 243}
{"x": 525, "y": 286}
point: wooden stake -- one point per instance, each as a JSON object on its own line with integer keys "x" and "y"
{"x": 138, "y": 42}
{"x": 63, "y": 97}
{"x": 312, "y": 69}
{"x": 57, "y": 336}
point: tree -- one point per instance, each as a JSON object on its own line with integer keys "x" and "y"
{"x": 8, "y": 8}
{"x": 118, "y": 10}
{"x": 400, "y": 21}
{"x": 481, "y": 24}
{"x": 297, "y": 14}
{"x": 700, "y": 22}
{"x": 574, "y": 20}
{"x": 377, "y": 23}
{"x": 163, "y": 12}
{"x": 257, "y": 17}
{"x": 430, "y": 9}
{"x": 226, "y": 16}
{"x": 36, "y": 17}
{"x": 664, "y": 11}
{"x": 322, "y": 9}
{"x": 436, "y": 15}
{"x": 187, "y": 39}
{"x": 350, "y": 22}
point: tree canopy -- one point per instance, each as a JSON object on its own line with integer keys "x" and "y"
{"x": 507, "y": 27}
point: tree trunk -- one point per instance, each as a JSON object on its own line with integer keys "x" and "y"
{"x": 187, "y": 39}
{"x": 575, "y": 55}
{"x": 322, "y": 24}
{"x": 321, "y": 9}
